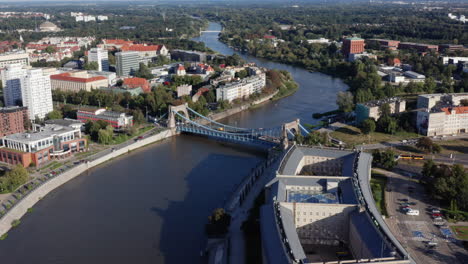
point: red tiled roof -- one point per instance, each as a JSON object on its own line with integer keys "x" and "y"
{"x": 136, "y": 82}
{"x": 141, "y": 47}
{"x": 458, "y": 110}
{"x": 67, "y": 77}
{"x": 181, "y": 68}
{"x": 269, "y": 37}
{"x": 117, "y": 41}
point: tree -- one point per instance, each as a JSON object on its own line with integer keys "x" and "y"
{"x": 384, "y": 159}
{"x": 13, "y": 179}
{"x": 144, "y": 72}
{"x": 368, "y": 126}
{"x": 426, "y": 144}
{"x": 464, "y": 102}
{"x": 105, "y": 135}
{"x": 218, "y": 223}
{"x": 50, "y": 49}
{"x": 344, "y": 100}
{"x": 138, "y": 116}
{"x": 91, "y": 66}
{"x": 54, "y": 114}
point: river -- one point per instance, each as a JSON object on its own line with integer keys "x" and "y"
{"x": 151, "y": 206}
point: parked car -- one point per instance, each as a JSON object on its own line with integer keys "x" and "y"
{"x": 435, "y": 211}
{"x": 435, "y": 215}
{"x": 438, "y": 219}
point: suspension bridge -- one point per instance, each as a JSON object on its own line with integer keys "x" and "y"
{"x": 186, "y": 120}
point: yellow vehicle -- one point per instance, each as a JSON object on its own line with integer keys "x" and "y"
{"x": 221, "y": 128}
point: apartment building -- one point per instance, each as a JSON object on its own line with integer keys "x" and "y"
{"x": 101, "y": 57}
{"x": 13, "y": 120}
{"x": 241, "y": 89}
{"x": 128, "y": 62}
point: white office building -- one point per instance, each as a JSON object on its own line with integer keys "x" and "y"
{"x": 101, "y": 57}
{"x": 241, "y": 89}
{"x": 128, "y": 62}
{"x": 14, "y": 57}
{"x": 31, "y": 86}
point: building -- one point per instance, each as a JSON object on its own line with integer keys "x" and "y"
{"x": 309, "y": 218}
{"x": 101, "y": 57}
{"x": 318, "y": 41}
{"x": 50, "y": 142}
{"x": 115, "y": 119}
{"x": 29, "y": 87}
{"x": 451, "y": 47}
{"x": 453, "y": 60}
{"x": 76, "y": 81}
{"x": 48, "y": 27}
{"x": 359, "y": 56}
{"x": 180, "y": 70}
{"x": 112, "y": 44}
{"x": 145, "y": 51}
{"x": 128, "y": 62}
{"x": 135, "y": 82}
{"x": 387, "y": 44}
{"x": 414, "y": 76}
{"x": 13, "y": 119}
{"x": 352, "y": 46}
{"x": 14, "y": 57}
{"x": 442, "y": 114}
{"x": 241, "y": 89}
{"x": 183, "y": 90}
{"x": 371, "y": 109}
{"x": 418, "y": 47}
{"x": 193, "y": 56}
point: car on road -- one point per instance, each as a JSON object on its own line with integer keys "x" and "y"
{"x": 412, "y": 212}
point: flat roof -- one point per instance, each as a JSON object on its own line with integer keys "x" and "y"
{"x": 46, "y": 132}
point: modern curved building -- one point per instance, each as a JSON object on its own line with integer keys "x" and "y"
{"x": 319, "y": 209}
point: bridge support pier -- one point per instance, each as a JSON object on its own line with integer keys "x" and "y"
{"x": 291, "y": 126}
{"x": 171, "y": 121}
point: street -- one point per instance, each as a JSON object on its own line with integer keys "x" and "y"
{"x": 415, "y": 231}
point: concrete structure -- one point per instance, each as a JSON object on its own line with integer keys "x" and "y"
{"x": 442, "y": 114}
{"x": 185, "y": 89}
{"x": 308, "y": 219}
{"x": 48, "y": 27}
{"x": 115, "y": 119}
{"x": 241, "y": 89}
{"x": 50, "y": 142}
{"x": 319, "y": 41}
{"x": 13, "y": 57}
{"x": 30, "y": 86}
{"x": 451, "y": 47}
{"x": 371, "y": 109}
{"x": 128, "y": 63}
{"x": 76, "y": 81}
{"x": 387, "y": 43}
{"x": 101, "y": 57}
{"x": 352, "y": 46}
{"x": 414, "y": 76}
{"x": 13, "y": 120}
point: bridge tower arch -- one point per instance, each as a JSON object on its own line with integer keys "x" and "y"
{"x": 171, "y": 122}
{"x": 291, "y": 126}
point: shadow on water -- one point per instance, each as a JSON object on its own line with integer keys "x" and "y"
{"x": 208, "y": 190}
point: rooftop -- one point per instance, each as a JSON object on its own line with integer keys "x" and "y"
{"x": 46, "y": 132}
{"x": 68, "y": 76}
{"x": 380, "y": 102}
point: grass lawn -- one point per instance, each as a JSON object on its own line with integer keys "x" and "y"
{"x": 458, "y": 146}
{"x": 460, "y": 231}
{"x": 52, "y": 166}
{"x": 378, "y": 183}
{"x": 352, "y": 136}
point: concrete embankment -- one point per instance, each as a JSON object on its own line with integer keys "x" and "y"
{"x": 22, "y": 206}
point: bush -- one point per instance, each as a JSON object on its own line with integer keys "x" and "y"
{"x": 455, "y": 215}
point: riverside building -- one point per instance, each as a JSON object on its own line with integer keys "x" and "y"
{"x": 241, "y": 89}
{"x": 49, "y": 142}
{"x": 115, "y": 119}
{"x": 319, "y": 209}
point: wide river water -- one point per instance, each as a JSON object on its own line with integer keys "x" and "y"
{"x": 151, "y": 206}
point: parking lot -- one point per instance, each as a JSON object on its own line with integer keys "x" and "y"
{"x": 424, "y": 240}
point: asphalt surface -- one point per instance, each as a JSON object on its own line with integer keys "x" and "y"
{"x": 414, "y": 232}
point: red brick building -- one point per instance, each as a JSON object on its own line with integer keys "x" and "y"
{"x": 387, "y": 43}
{"x": 418, "y": 47}
{"x": 352, "y": 46}
{"x": 12, "y": 120}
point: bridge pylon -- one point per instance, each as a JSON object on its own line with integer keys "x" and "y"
{"x": 171, "y": 121}
{"x": 292, "y": 127}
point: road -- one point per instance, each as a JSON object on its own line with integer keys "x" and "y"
{"x": 414, "y": 231}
